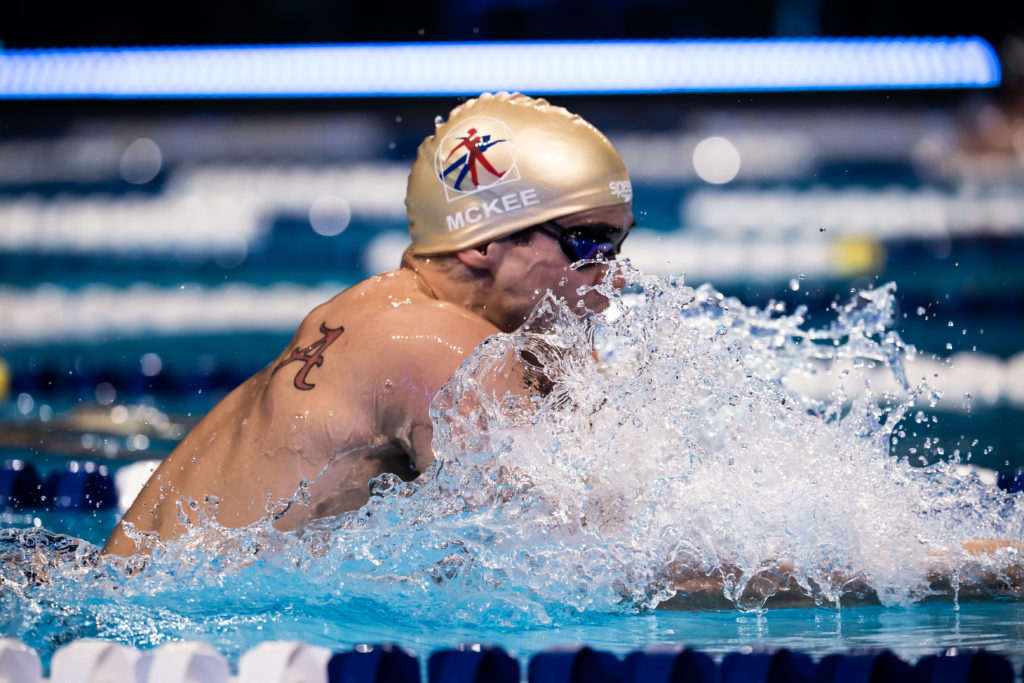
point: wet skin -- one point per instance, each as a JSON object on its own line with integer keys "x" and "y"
{"x": 981, "y": 569}
{"x": 349, "y": 398}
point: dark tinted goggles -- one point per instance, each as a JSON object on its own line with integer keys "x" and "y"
{"x": 586, "y": 243}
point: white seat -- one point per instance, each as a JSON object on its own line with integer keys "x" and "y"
{"x": 19, "y": 663}
{"x": 284, "y": 662}
{"x": 98, "y": 661}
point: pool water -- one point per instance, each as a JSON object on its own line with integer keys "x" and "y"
{"x": 235, "y": 618}
{"x": 910, "y": 633}
{"x": 703, "y": 437}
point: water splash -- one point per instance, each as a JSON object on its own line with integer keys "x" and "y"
{"x": 680, "y": 446}
{"x": 663, "y": 454}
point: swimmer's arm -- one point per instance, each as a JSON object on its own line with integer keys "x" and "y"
{"x": 980, "y": 575}
{"x": 154, "y": 512}
{"x": 699, "y": 590}
{"x": 508, "y": 387}
{"x": 777, "y": 587}
{"x": 422, "y": 347}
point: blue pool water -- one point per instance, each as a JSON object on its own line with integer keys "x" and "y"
{"x": 237, "y": 621}
{"x": 234, "y": 622}
{"x": 697, "y": 440}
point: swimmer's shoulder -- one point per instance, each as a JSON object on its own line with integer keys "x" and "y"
{"x": 355, "y": 307}
{"x": 405, "y": 328}
{"x": 330, "y": 343}
{"x": 398, "y": 301}
{"x": 410, "y": 307}
{"x": 389, "y": 319}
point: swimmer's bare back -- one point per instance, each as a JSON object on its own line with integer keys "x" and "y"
{"x": 347, "y": 400}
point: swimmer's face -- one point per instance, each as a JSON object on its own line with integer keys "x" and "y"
{"x": 534, "y": 261}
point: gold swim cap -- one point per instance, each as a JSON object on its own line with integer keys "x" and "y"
{"x": 504, "y": 162}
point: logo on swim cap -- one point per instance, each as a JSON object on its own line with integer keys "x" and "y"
{"x": 479, "y": 154}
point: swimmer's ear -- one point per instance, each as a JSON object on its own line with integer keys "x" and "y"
{"x": 476, "y": 257}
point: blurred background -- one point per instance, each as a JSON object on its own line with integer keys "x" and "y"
{"x": 156, "y": 252}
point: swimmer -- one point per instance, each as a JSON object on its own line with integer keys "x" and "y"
{"x": 502, "y": 199}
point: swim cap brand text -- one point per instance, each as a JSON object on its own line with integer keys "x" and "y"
{"x": 622, "y": 189}
{"x": 508, "y": 203}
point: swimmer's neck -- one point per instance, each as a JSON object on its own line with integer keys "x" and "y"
{"x": 424, "y": 275}
{"x": 445, "y": 278}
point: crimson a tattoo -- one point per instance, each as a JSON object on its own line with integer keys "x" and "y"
{"x": 312, "y": 356}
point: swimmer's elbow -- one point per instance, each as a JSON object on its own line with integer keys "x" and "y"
{"x": 119, "y": 544}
